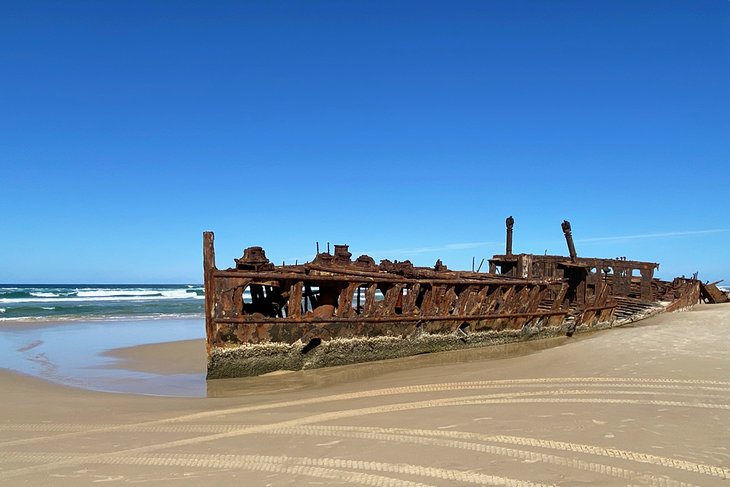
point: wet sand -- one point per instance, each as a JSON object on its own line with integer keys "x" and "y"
{"x": 179, "y": 357}
{"x": 642, "y": 405}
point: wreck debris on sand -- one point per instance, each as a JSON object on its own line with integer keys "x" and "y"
{"x": 336, "y": 310}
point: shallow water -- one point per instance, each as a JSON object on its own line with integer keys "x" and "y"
{"x": 71, "y": 353}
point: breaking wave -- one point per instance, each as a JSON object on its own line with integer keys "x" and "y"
{"x": 64, "y": 302}
{"x": 45, "y": 295}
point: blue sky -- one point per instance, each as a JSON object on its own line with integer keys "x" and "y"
{"x": 406, "y": 129}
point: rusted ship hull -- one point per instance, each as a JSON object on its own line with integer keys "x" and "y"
{"x": 335, "y": 310}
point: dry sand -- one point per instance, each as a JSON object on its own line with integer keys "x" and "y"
{"x": 641, "y": 405}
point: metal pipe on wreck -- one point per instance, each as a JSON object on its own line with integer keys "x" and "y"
{"x": 510, "y": 223}
{"x": 569, "y": 238}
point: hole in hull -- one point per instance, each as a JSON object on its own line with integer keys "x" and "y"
{"x": 313, "y": 343}
{"x": 463, "y": 329}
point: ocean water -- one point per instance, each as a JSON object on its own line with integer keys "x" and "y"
{"x": 83, "y": 302}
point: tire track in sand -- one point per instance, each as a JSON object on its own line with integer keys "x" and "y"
{"x": 391, "y": 434}
{"x": 335, "y": 415}
{"x": 427, "y": 388}
{"x": 294, "y": 465}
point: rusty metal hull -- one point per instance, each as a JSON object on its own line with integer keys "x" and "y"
{"x": 336, "y": 310}
{"x": 261, "y": 317}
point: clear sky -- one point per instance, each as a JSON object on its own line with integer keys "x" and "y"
{"x": 406, "y": 129}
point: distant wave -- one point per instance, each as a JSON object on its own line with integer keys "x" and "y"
{"x": 113, "y": 293}
{"x": 103, "y": 293}
{"x": 45, "y": 295}
{"x": 155, "y": 297}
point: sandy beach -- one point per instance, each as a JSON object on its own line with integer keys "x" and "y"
{"x": 647, "y": 404}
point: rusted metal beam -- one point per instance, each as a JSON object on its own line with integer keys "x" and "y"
{"x": 289, "y": 276}
{"x": 208, "y": 288}
{"x": 387, "y": 319}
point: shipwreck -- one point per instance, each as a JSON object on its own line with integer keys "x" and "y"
{"x": 337, "y": 310}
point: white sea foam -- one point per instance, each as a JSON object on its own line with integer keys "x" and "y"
{"x": 103, "y": 293}
{"x": 2, "y": 310}
{"x": 165, "y": 295}
{"x": 48, "y": 307}
{"x": 45, "y": 295}
{"x": 179, "y": 293}
{"x": 110, "y": 293}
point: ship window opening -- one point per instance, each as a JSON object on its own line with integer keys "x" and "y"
{"x": 252, "y": 299}
{"x": 277, "y": 299}
{"x": 323, "y": 299}
{"x": 399, "y": 302}
{"x": 421, "y": 296}
{"x": 310, "y": 298}
{"x": 329, "y": 294}
{"x": 269, "y": 301}
{"x": 358, "y": 299}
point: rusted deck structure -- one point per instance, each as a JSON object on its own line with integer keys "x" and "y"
{"x": 337, "y": 310}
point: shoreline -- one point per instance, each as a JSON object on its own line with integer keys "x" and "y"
{"x": 177, "y": 366}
